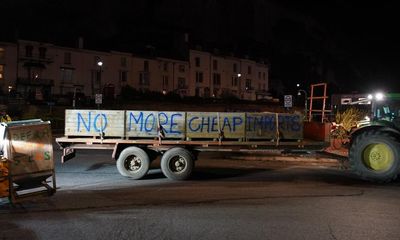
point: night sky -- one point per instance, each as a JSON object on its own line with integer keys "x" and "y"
{"x": 353, "y": 45}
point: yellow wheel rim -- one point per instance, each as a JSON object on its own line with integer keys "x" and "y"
{"x": 378, "y": 157}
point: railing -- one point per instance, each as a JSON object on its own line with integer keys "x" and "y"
{"x": 36, "y": 57}
{"x": 37, "y": 81}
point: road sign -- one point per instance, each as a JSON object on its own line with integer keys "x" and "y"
{"x": 288, "y": 101}
{"x": 99, "y": 98}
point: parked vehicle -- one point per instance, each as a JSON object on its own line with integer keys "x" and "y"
{"x": 138, "y": 137}
{"x": 374, "y": 152}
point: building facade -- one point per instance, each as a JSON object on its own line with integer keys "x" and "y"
{"x": 42, "y": 71}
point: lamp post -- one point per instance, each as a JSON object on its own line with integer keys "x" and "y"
{"x": 239, "y": 75}
{"x": 299, "y": 91}
{"x": 99, "y": 97}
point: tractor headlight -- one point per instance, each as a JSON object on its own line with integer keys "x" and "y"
{"x": 379, "y": 96}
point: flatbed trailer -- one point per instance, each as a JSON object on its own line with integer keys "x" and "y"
{"x": 138, "y": 137}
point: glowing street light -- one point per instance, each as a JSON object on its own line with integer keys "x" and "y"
{"x": 299, "y": 91}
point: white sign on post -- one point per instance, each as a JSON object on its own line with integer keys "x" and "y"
{"x": 288, "y": 101}
{"x": 99, "y": 98}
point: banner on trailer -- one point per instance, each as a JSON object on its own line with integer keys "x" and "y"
{"x": 215, "y": 125}
{"x": 155, "y": 124}
{"x": 109, "y": 123}
{"x": 182, "y": 125}
{"x": 264, "y": 126}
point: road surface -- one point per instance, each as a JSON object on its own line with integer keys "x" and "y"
{"x": 227, "y": 198}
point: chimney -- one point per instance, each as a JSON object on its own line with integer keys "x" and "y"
{"x": 186, "y": 37}
{"x": 80, "y": 42}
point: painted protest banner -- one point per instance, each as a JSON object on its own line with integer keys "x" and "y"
{"x": 154, "y": 124}
{"x": 79, "y": 122}
{"x": 264, "y": 126}
{"x": 215, "y": 125}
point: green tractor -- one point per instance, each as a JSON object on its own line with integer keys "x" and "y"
{"x": 374, "y": 150}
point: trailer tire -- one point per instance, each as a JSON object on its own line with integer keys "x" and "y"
{"x": 375, "y": 156}
{"x": 177, "y": 163}
{"x": 133, "y": 162}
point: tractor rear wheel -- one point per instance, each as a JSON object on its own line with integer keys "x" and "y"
{"x": 375, "y": 156}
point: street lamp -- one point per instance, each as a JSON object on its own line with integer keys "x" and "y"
{"x": 99, "y": 97}
{"x": 299, "y": 91}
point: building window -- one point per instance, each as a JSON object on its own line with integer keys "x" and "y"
{"x": 248, "y": 84}
{"x": 165, "y": 81}
{"x": 123, "y": 76}
{"x": 42, "y": 52}
{"x": 235, "y": 68}
{"x": 197, "y": 61}
{"x": 144, "y": 78}
{"x": 217, "y": 79}
{"x": 259, "y": 75}
{"x": 1, "y": 72}
{"x": 199, "y": 77}
{"x": 67, "y": 58}
{"x": 123, "y": 62}
{"x": 66, "y": 75}
{"x": 181, "y": 83}
{"x": 28, "y": 50}
{"x": 165, "y": 67}
{"x": 215, "y": 65}
{"x": 181, "y": 68}
{"x": 249, "y": 69}
{"x": 264, "y": 75}
{"x": 146, "y": 66}
{"x": 235, "y": 81}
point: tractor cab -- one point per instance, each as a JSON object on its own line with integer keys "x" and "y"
{"x": 386, "y": 111}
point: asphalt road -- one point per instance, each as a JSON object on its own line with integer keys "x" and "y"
{"x": 225, "y": 199}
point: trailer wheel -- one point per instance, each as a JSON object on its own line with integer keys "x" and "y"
{"x": 375, "y": 156}
{"x": 133, "y": 162}
{"x": 177, "y": 163}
